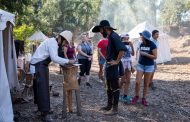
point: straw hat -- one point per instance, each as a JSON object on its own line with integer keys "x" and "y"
{"x": 67, "y": 35}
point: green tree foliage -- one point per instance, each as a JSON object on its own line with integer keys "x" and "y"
{"x": 22, "y": 33}
{"x": 51, "y": 15}
{"x": 76, "y": 15}
{"x": 172, "y": 11}
{"x": 54, "y": 15}
{"x": 15, "y": 6}
{"x": 19, "y": 7}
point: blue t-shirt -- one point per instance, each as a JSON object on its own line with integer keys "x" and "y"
{"x": 144, "y": 60}
{"x": 114, "y": 46}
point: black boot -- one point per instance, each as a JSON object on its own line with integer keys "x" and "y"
{"x": 110, "y": 99}
{"x": 46, "y": 118}
{"x": 106, "y": 108}
{"x": 116, "y": 97}
{"x": 114, "y": 110}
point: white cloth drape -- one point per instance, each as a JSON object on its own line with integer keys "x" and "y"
{"x": 6, "y": 112}
{"x": 12, "y": 66}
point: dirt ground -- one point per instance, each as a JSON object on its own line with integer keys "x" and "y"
{"x": 170, "y": 102}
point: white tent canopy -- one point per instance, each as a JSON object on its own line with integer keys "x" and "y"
{"x": 90, "y": 33}
{"x": 4, "y": 18}
{"x": 8, "y": 74}
{"x": 37, "y": 36}
{"x": 164, "y": 53}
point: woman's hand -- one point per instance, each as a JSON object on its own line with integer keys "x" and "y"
{"x": 90, "y": 58}
{"x": 152, "y": 56}
{"x": 143, "y": 53}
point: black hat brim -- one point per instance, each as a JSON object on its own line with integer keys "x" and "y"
{"x": 97, "y": 28}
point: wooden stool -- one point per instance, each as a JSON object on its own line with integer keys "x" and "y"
{"x": 70, "y": 83}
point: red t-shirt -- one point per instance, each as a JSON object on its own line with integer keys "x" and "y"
{"x": 102, "y": 44}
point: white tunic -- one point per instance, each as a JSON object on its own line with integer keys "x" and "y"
{"x": 48, "y": 48}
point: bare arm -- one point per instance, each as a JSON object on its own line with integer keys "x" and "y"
{"x": 100, "y": 53}
{"x": 120, "y": 55}
{"x": 75, "y": 55}
{"x": 132, "y": 47}
{"x": 65, "y": 51}
{"x": 152, "y": 56}
{"x": 82, "y": 53}
{"x": 54, "y": 55}
{"x": 137, "y": 53}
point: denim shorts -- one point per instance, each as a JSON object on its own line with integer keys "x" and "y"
{"x": 101, "y": 61}
{"x": 145, "y": 68}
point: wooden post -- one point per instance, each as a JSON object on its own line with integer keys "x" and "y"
{"x": 77, "y": 94}
{"x": 70, "y": 83}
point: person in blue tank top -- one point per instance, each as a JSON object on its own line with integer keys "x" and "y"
{"x": 145, "y": 66}
{"x": 85, "y": 57}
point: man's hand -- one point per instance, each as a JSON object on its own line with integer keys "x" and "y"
{"x": 113, "y": 62}
{"x": 72, "y": 61}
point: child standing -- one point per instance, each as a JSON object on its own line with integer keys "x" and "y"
{"x": 127, "y": 65}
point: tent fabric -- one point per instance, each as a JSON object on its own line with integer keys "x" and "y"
{"x": 6, "y": 112}
{"x": 5, "y": 17}
{"x": 90, "y": 33}
{"x": 8, "y": 74}
{"x": 10, "y": 58}
{"x": 164, "y": 53}
{"x": 37, "y": 36}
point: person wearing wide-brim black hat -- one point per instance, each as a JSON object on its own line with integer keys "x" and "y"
{"x": 115, "y": 51}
